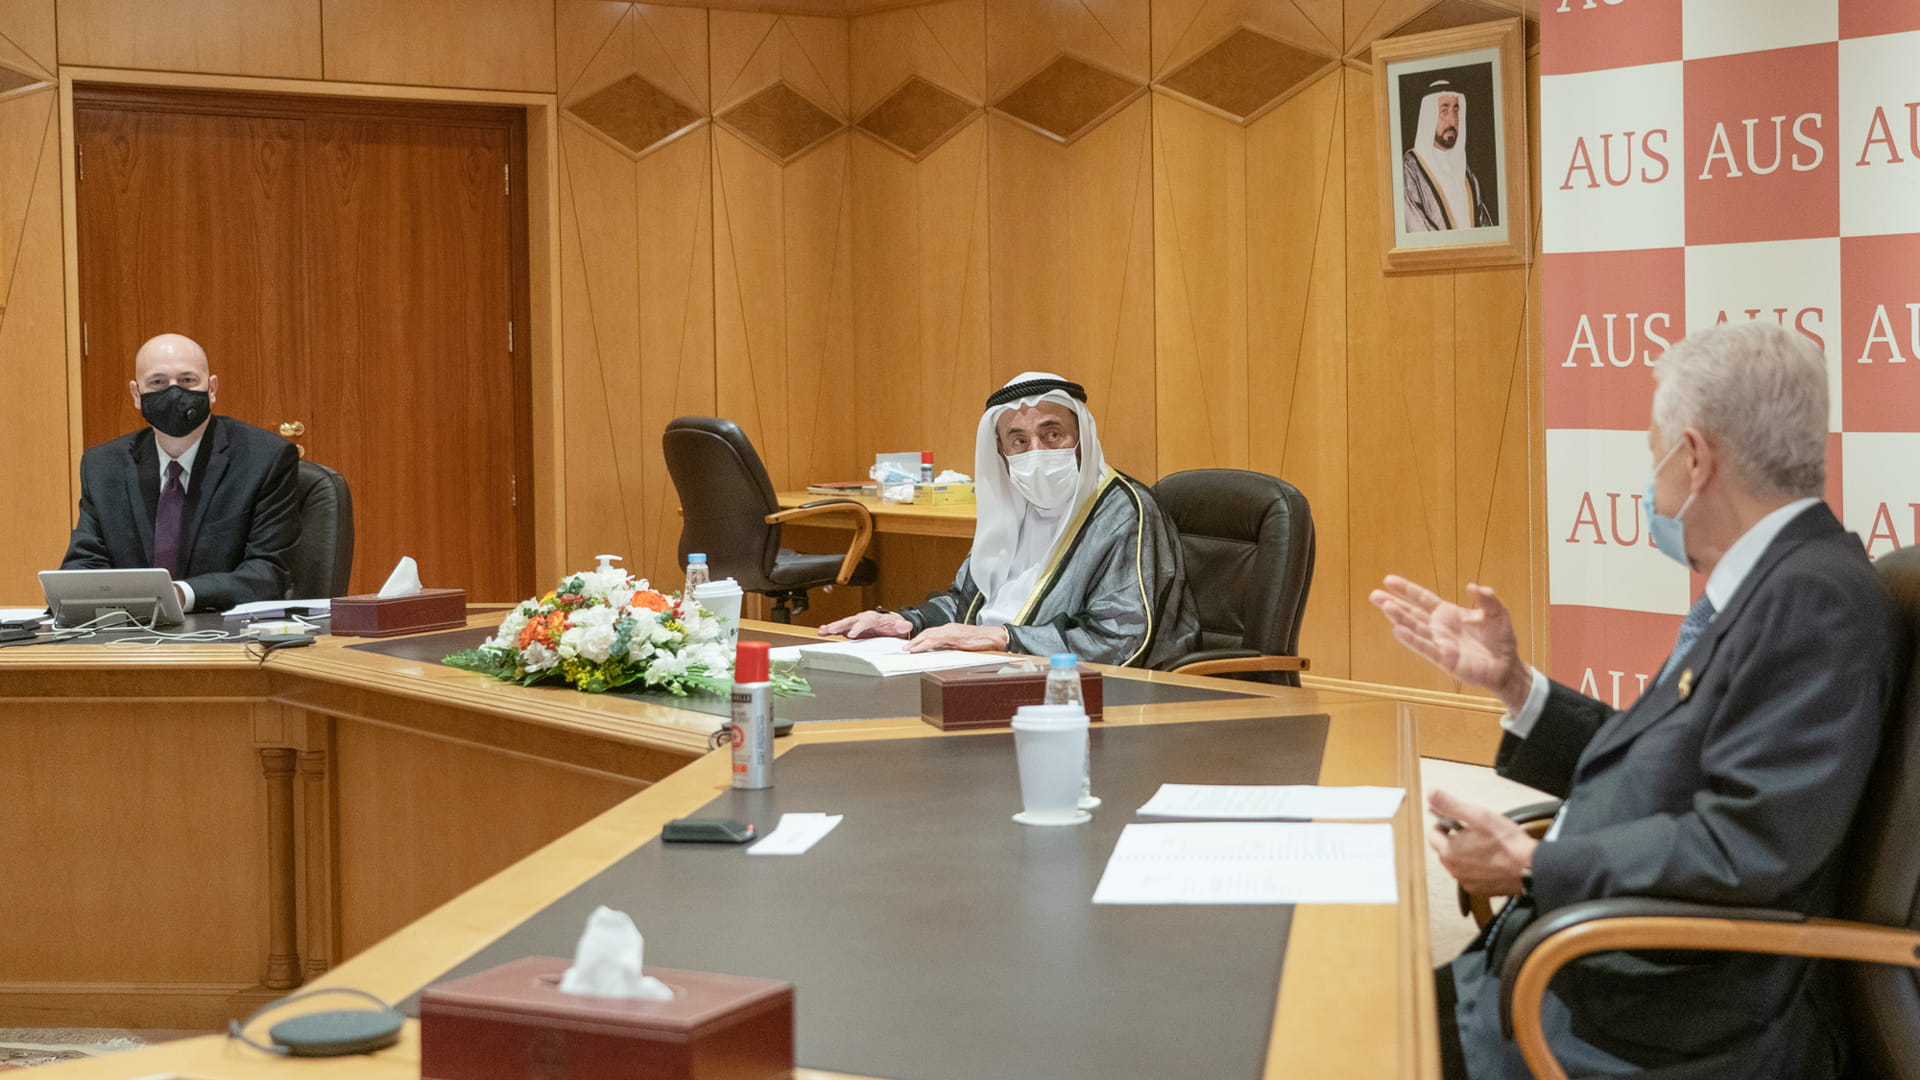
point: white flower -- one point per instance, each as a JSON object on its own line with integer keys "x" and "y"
{"x": 509, "y": 634}
{"x": 665, "y": 667}
{"x": 537, "y": 657}
{"x": 602, "y": 584}
{"x": 593, "y": 643}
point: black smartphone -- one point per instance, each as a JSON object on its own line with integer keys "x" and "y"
{"x": 706, "y": 830}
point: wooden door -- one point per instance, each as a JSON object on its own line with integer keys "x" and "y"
{"x": 190, "y": 223}
{"x": 355, "y": 271}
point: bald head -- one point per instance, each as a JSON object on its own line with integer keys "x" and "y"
{"x": 171, "y": 360}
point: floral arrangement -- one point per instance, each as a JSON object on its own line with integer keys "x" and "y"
{"x": 602, "y": 629}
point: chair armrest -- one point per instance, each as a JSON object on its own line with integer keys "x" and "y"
{"x": 862, "y": 528}
{"x": 1535, "y": 819}
{"x": 1222, "y": 661}
{"x": 1633, "y": 923}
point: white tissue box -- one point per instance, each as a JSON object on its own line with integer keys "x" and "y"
{"x": 385, "y": 616}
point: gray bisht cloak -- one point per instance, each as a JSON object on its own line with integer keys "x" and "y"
{"x": 1115, "y": 592}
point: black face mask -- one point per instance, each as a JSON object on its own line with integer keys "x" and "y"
{"x": 176, "y": 411}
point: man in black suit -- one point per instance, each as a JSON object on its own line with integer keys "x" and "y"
{"x": 1731, "y": 781}
{"x": 210, "y": 499}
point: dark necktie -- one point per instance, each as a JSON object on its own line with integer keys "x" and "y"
{"x": 1697, "y": 619}
{"x": 166, "y": 521}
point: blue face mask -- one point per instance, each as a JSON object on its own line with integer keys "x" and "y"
{"x": 1669, "y": 533}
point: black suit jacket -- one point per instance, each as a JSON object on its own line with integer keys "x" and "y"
{"x": 1739, "y": 793}
{"x": 237, "y": 530}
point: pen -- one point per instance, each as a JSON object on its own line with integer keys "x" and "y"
{"x": 1447, "y": 824}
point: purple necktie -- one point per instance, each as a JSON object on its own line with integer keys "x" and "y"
{"x": 166, "y": 522}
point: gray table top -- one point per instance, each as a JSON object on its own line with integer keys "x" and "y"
{"x": 931, "y": 937}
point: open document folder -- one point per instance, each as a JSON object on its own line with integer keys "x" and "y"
{"x": 880, "y": 656}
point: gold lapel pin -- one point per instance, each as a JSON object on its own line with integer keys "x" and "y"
{"x": 1686, "y": 683}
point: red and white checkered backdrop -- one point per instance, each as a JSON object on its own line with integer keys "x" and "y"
{"x": 1703, "y": 161}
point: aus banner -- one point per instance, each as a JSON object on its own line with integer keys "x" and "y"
{"x": 1704, "y": 161}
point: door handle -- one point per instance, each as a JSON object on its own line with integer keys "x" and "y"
{"x": 292, "y": 429}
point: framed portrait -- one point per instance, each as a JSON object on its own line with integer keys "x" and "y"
{"x": 1450, "y": 112}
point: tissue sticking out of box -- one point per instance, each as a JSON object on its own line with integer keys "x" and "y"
{"x": 405, "y": 579}
{"x": 606, "y": 963}
{"x": 948, "y": 476}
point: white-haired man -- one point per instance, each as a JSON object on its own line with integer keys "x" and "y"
{"x": 1734, "y": 777}
{"x": 1068, "y": 554}
{"x": 1441, "y": 190}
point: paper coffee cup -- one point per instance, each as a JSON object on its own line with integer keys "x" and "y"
{"x": 1050, "y": 745}
{"x": 723, "y": 599}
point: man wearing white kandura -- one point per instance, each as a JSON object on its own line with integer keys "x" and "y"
{"x": 1068, "y": 554}
{"x": 1730, "y": 782}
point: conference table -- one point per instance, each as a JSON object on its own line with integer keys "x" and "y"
{"x": 210, "y": 828}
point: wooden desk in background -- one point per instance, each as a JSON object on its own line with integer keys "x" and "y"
{"x": 918, "y": 549}
{"x": 202, "y": 827}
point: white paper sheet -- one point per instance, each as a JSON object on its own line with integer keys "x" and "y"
{"x": 279, "y": 607}
{"x": 22, "y": 614}
{"x": 795, "y": 834}
{"x": 1250, "y": 863}
{"x": 887, "y": 656}
{"x": 1248, "y": 802}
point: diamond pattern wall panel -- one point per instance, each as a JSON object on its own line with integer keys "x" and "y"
{"x": 916, "y": 118}
{"x": 14, "y": 80}
{"x": 1068, "y": 98}
{"x": 1245, "y": 73}
{"x": 636, "y": 114}
{"x": 781, "y": 123}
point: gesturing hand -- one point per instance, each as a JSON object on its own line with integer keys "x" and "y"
{"x": 869, "y": 624}
{"x": 1473, "y": 645}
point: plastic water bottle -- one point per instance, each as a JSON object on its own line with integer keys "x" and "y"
{"x": 696, "y": 572}
{"x": 1063, "y": 688}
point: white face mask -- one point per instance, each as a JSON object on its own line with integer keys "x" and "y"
{"x": 1045, "y": 477}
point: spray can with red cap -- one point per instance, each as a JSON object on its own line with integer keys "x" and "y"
{"x": 752, "y": 716}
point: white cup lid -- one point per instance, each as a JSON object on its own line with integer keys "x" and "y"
{"x": 1049, "y": 717}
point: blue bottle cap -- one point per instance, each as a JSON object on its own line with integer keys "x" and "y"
{"x": 1063, "y": 659}
{"x": 697, "y": 556}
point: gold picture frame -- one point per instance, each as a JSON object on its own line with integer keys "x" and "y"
{"x": 1449, "y": 107}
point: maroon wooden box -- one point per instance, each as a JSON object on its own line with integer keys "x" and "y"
{"x": 385, "y": 616}
{"x": 967, "y": 698}
{"x": 512, "y": 1022}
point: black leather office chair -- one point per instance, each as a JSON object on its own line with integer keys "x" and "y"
{"x": 730, "y": 513}
{"x": 322, "y": 562}
{"x": 1880, "y": 903}
{"x": 1247, "y": 539}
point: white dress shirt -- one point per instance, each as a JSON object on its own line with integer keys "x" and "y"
{"x": 186, "y": 479}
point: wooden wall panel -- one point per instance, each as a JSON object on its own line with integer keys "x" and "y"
{"x": 27, "y": 39}
{"x": 676, "y": 330}
{"x": 599, "y": 287}
{"x": 1296, "y": 331}
{"x": 491, "y": 44}
{"x": 920, "y": 240}
{"x": 1200, "y": 286}
{"x": 235, "y": 37}
{"x": 1401, "y": 423}
{"x": 1183, "y": 29}
{"x": 638, "y": 289}
{"x": 33, "y": 343}
{"x": 783, "y": 247}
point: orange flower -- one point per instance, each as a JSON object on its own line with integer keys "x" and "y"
{"x": 650, "y": 600}
{"x": 543, "y": 628}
